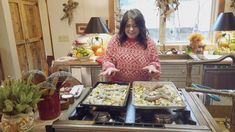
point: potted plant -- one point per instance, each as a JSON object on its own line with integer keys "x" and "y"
{"x": 49, "y": 104}
{"x": 17, "y": 101}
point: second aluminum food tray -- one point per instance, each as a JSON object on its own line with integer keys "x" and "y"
{"x": 153, "y": 106}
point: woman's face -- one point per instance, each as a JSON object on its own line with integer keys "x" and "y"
{"x": 131, "y": 29}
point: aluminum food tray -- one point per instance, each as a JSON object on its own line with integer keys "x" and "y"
{"x": 152, "y": 83}
{"x": 108, "y": 106}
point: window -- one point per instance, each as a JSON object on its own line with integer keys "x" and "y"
{"x": 192, "y": 16}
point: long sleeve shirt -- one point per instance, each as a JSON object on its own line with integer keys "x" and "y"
{"x": 130, "y": 59}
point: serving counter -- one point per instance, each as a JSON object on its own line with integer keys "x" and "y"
{"x": 193, "y": 118}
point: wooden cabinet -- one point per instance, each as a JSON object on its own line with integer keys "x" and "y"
{"x": 28, "y": 34}
{"x": 177, "y": 73}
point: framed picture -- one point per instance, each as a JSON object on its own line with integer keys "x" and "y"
{"x": 80, "y": 28}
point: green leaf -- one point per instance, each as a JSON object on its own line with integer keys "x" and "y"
{"x": 35, "y": 99}
{"x": 29, "y": 97}
{"x": 28, "y": 109}
{"x": 8, "y": 106}
{"x": 20, "y": 107}
{"x": 23, "y": 98}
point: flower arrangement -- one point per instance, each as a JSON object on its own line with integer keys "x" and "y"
{"x": 167, "y": 6}
{"x": 225, "y": 44}
{"x": 196, "y": 38}
{"x": 196, "y": 45}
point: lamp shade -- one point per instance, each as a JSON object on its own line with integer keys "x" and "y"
{"x": 96, "y": 25}
{"x": 224, "y": 22}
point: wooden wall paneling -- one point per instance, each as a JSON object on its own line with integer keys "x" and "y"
{"x": 111, "y": 16}
{"x": 32, "y": 20}
{"x": 17, "y": 26}
{"x": 19, "y": 32}
{"x": 221, "y": 6}
{"x": 22, "y": 55}
{"x": 28, "y": 34}
{"x": 37, "y": 59}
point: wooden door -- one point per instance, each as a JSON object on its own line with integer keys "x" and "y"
{"x": 28, "y": 34}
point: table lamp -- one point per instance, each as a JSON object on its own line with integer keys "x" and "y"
{"x": 224, "y": 22}
{"x": 96, "y": 26}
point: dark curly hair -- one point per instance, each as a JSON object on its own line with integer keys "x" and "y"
{"x": 138, "y": 17}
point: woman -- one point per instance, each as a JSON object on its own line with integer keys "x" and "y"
{"x": 131, "y": 54}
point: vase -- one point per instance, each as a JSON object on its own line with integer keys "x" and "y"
{"x": 49, "y": 107}
{"x": 17, "y": 123}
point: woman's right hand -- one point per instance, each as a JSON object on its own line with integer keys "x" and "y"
{"x": 109, "y": 72}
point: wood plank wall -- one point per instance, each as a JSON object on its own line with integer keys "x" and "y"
{"x": 221, "y": 6}
{"x": 111, "y": 17}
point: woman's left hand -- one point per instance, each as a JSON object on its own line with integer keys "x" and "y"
{"x": 111, "y": 71}
{"x": 151, "y": 69}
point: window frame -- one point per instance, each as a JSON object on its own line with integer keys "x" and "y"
{"x": 217, "y": 7}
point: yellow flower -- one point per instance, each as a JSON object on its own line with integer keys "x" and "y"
{"x": 74, "y": 52}
{"x": 196, "y": 45}
{"x": 78, "y": 55}
{"x": 195, "y": 38}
